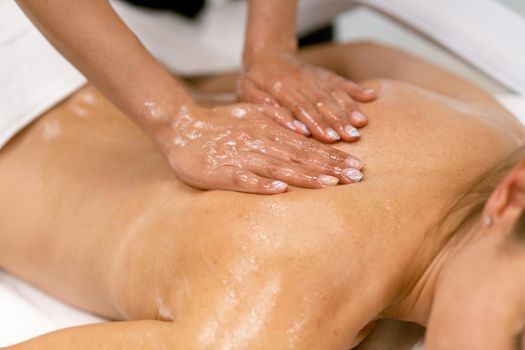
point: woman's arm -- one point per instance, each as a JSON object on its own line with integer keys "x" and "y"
{"x": 115, "y": 335}
{"x": 207, "y": 148}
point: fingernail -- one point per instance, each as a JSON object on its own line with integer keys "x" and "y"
{"x": 354, "y": 175}
{"x": 279, "y": 185}
{"x": 291, "y": 126}
{"x": 301, "y": 127}
{"x": 352, "y": 132}
{"x": 332, "y": 134}
{"x": 358, "y": 117}
{"x": 353, "y": 163}
{"x": 328, "y": 180}
{"x": 369, "y": 91}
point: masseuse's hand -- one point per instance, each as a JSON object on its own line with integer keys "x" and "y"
{"x": 238, "y": 147}
{"x": 322, "y": 102}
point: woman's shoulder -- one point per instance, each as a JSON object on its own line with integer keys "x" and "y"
{"x": 433, "y": 129}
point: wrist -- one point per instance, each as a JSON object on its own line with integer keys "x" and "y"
{"x": 271, "y": 28}
{"x": 263, "y": 52}
{"x": 168, "y": 131}
{"x": 155, "y": 115}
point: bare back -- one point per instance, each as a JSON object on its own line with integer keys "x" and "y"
{"x": 130, "y": 241}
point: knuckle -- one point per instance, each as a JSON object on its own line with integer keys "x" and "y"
{"x": 335, "y": 157}
{"x": 275, "y": 84}
{"x": 261, "y": 122}
{"x": 272, "y": 168}
{"x": 240, "y": 178}
{"x": 241, "y": 135}
{"x": 310, "y": 146}
{"x": 275, "y": 135}
{"x": 300, "y": 109}
{"x": 299, "y": 156}
{"x": 272, "y": 112}
{"x": 322, "y": 102}
{"x": 284, "y": 112}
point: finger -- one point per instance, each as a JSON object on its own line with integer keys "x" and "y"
{"x": 357, "y": 119}
{"x": 306, "y": 114}
{"x": 312, "y": 155}
{"x": 355, "y": 91}
{"x": 292, "y": 174}
{"x": 335, "y": 108}
{"x": 339, "y": 120}
{"x": 248, "y": 91}
{"x": 252, "y": 93}
{"x": 309, "y": 160}
{"x": 313, "y": 147}
{"x": 333, "y": 114}
{"x": 285, "y": 118}
{"x": 242, "y": 180}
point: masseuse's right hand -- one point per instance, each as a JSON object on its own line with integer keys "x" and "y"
{"x": 240, "y": 148}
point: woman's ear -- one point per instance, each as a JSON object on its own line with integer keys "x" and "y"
{"x": 508, "y": 199}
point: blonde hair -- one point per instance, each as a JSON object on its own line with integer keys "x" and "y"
{"x": 470, "y": 203}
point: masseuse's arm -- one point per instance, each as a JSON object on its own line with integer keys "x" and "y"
{"x": 321, "y": 101}
{"x": 233, "y": 147}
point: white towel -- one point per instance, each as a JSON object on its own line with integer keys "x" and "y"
{"x": 26, "y": 312}
{"x": 485, "y": 33}
{"x": 33, "y": 76}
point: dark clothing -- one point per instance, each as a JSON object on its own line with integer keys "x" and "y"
{"x": 191, "y": 9}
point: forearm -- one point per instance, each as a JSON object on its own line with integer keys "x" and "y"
{"x": 115, "y": 335}
{"x": 93, "y": 38}
{"x": 271, "y": 28}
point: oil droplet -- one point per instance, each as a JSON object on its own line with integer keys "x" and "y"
{"x": 239, "y": 112}
{"x": 179, "y": 141}
{"x": 88, "y": 98}
{"x": 79, "y": 111}
{"x": 154, "y": 112}
{"x": 51, "y": 130}
{"x": 277, "y": 86}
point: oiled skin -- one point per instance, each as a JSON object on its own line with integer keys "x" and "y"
{"x": 91, "y": 213}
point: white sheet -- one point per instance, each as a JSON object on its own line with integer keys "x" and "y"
{"x": 33, "y": 76}
{"x": 26, "y": 312}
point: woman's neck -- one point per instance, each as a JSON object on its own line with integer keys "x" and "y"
{"x": 416, "y": 306}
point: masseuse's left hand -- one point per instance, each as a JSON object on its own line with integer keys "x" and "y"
{"x": 322, "y": 102}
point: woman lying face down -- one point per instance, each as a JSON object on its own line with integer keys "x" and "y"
{"x": 98, "y": 220}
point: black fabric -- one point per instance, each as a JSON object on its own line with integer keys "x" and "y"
{"x": 319, "y": 36}
{"x": 187, "y": 8}
{"x": 192, "y": 8}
